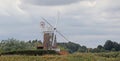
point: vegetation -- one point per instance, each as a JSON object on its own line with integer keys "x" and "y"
{"x": 109, "y": 55}
{"x": 16, "y": 45}
{"x": 26, "y": 51}
{"x": 109, "y": 46}
{"x": 73, "y": 47}
{"x": 30, "y": 52}
{"x": 70, "y": 57}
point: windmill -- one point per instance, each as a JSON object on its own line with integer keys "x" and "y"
{"x": 49, "y": 35}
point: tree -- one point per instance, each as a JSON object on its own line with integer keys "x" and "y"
{"x": 116, "y": 46}
{"x": 99, "y": 47}
{"x": 83, "y": 49}
{"x": 108, "y": 45}
{"x": 13, "y": 44}
{"x": 70, "y": 46}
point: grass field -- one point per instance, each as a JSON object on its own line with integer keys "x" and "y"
{"x": 70, "y": 57}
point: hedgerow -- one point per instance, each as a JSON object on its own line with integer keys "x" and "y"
{"x": 29, "y": 52}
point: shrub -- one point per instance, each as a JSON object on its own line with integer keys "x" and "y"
{"x": 29, "y": 52}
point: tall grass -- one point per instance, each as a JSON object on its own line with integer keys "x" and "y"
{"x": 70, "y": 57}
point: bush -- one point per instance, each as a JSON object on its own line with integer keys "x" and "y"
{"x": 30, "y": 52}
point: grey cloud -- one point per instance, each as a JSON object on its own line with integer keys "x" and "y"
{"x": 83, "y": 23}
{"x": 50, "y": 2}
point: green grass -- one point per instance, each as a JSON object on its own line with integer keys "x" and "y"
{"x": 70, "y": 57}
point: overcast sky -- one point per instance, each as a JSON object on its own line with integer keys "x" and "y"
{"x": 87, "y": 22}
